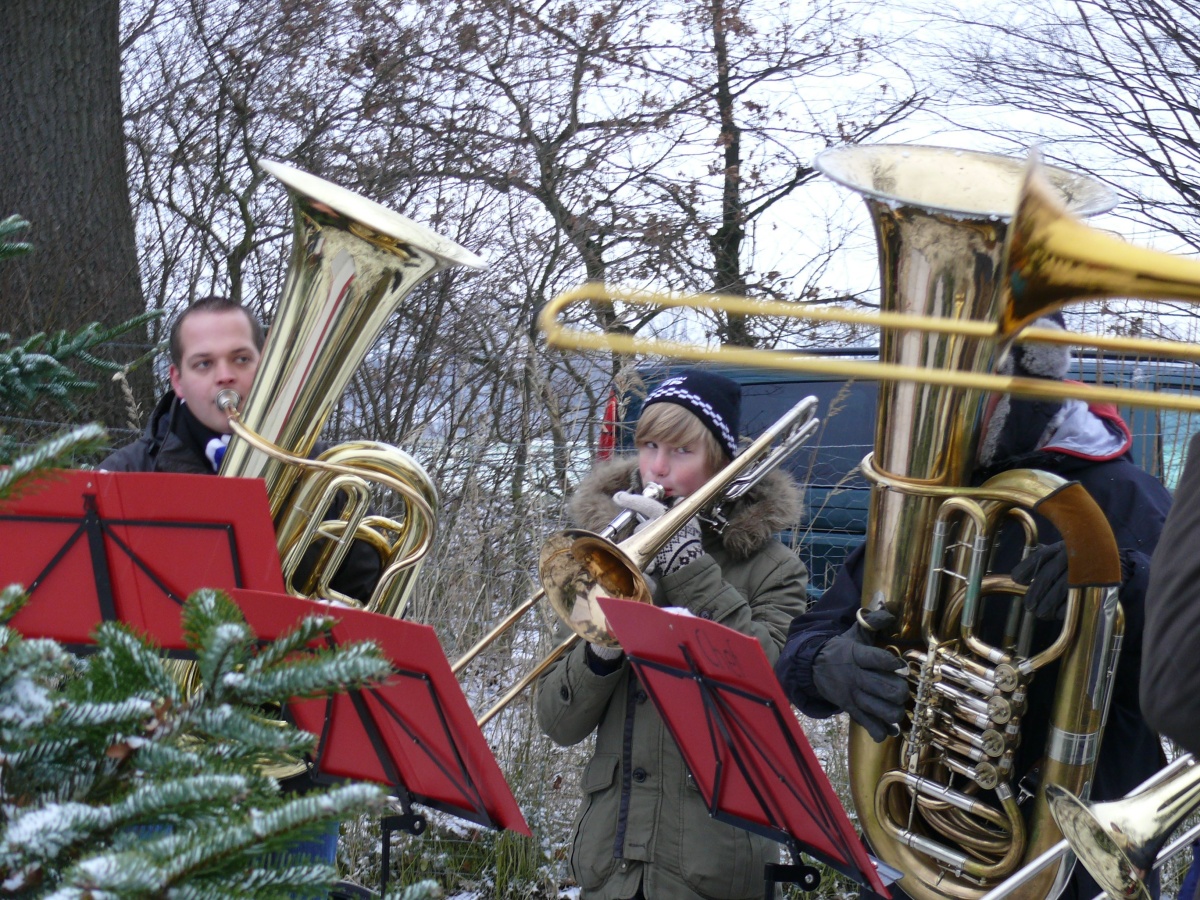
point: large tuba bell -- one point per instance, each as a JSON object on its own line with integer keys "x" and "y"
{"x": 941, "y": 801}
{"x": 353, "y": 263}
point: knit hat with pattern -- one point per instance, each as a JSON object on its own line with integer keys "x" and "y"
{"x": 714, "y": 399}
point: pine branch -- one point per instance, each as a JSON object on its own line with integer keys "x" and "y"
{"x": 38, "y": 367}
{"x": 56, "y": 453}
{"x": 94, "y": 749}
{"x": 9, "y": 248}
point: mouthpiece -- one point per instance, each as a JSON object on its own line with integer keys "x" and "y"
{"x": 228, "y": 400}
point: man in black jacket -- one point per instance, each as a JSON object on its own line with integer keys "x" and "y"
{"x": 216, "y": 344}
{"x": 830, "y": 664}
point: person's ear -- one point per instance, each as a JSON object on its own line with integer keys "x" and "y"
{"x": 174, "y": 373}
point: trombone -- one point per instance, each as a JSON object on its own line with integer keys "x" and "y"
{"x": 620, "y": 526}
{"x": 578, "y": 566}
{"x": 1050, "y": 257}
{"x": 1119, "y": 842}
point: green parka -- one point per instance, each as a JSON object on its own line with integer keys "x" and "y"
{"x": 642, "y": 819}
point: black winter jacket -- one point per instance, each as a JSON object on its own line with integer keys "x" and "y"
{"x": 163, "y": 446}
{"x": 1136, "y": 505}
{"x": 1171, "y": 674}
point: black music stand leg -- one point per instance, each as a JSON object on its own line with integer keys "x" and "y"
{"x": 807, "y": 877}
{"x": 407, "y": 821}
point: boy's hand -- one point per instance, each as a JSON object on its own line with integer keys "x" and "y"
{"x": 683, "y": 547}
{"x": 647, "y": 509}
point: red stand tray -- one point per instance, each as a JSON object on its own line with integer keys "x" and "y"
{"x": 751, "y": 762}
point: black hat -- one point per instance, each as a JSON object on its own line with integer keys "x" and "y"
{"x": 1039, "y": 360}
{"x": 714, "y": 399}
{"x": 1020, "y": 425}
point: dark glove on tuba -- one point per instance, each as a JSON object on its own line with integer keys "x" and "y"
{"x": 863, "y": 680}
{"x": 1044, "y": 570}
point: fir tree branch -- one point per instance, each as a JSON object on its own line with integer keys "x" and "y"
{"x": 9, "y": 249}
{"x": 53, "y": 454}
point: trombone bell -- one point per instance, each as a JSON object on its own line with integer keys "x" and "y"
{"x": 577, "y": 567}
{"x": 1117, "y": 842}
{"x": 1107, "y": 856}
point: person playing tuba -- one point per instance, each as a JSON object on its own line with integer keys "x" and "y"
{"x": 216, "y": 344}
{"x": 830, "y": 663}
{"x": 643, "y": 829}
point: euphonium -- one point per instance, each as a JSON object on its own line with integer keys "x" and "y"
{"x": 353, "y": 263}
{"x": 940, "y": 802}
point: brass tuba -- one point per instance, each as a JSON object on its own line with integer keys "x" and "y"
{"x": 940, "y": 802}
{"x": 353, "y": 262}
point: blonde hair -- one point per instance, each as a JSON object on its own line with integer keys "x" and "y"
{"x": 669, "y": 423}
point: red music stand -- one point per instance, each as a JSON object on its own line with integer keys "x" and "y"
{"x": 415, "y": 732}
{"x": 750, "y": 760}
{"x": 91, "y": 547}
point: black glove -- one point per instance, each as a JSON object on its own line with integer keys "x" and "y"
{"x": 863, "y": 680}
{"x": 1044, "y": 570}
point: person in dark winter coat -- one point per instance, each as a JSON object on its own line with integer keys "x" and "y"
{"x": 642, "y": 829}
{"x": 1088, "y": 444}
{"x": 1170, "y": 689}
{"x": 1171, "y": 678}
{"x": 215, "y": 344}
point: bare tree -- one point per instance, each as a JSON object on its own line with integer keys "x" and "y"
{"x": 756, "y": 81}
{"x": 1112, "y": 84}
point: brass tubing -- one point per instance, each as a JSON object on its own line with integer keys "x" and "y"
{"x": 228, "y": 402}
{"x": 620, "y": 525}
{"x": 1035, "y": 388}
{"x": 957, "y": 860}
{"x": 528, "y": 679}
{"x": 506, "y": 623}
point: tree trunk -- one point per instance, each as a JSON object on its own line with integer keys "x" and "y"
{"x": 726, "y": 242}
{"x": 63, "y": 169}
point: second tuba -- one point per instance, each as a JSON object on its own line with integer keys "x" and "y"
{"x": 353, "y": 263}
{"x": 942, "y": 801}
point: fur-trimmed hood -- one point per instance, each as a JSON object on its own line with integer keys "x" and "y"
{"x": 775, "y": 504}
